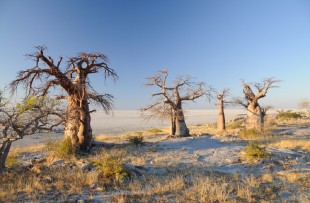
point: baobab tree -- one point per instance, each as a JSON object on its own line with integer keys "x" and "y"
{"x": 34, "y": 114}
{"x": 255, "y": 115}
{"x": 221, "y": 126}
{"x": 73, "y": 81}
{"x": 168, "y": 102}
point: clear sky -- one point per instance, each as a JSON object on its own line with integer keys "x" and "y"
{"x": 219, "y": 42}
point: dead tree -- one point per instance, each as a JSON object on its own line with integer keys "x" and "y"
{"x": 33, "y": 115}
{"x": 75, "y": 86}
{"x": 221, "y": 126}
{"x": 255, "y": 117}
{"x": 168, "y": 102}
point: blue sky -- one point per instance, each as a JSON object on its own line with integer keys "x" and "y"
{"x": 219, "y": 42}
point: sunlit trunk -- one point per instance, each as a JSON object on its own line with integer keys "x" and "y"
{"x": 254, "y": 117}
{"x": 77, "y": 127}
{"x": 221, "y": 117}
{"x": 180, "y": 125}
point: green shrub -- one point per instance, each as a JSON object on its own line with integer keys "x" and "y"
{"x": 110, "y": 165}
{"x": 253, "y": 150}
{"x": 61, "y": 149}
{"x": 136, "y": 140}
{"x": 251, "y": 133}
{"x": 287, "y": 115}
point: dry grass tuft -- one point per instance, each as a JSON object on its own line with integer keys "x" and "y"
{"x": 27, "y": 185}
{"x": 296, "y": 177}
{"x": 11, "y": 160}
{"x": 234, "y": 124}
{"x": 267, "y": 178}
{"x": 292, "y": 144}
{"x": 245, "y": 193}
{"x": 177, "y": 188}
{"x": 29, "y": 149}
{"x": 253, "y": 134}
{"x": 203, "y": 129}
{"x": 154, "y": 131}
{"x": 252, "y": 181}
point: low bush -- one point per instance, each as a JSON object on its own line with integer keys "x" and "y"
{"x": 253, "y": 150}
{"x": 135, "y": 139}
{"x": 61, "y": 149}
{"x": 287, "y": 115}
{"x": 110, "y": 165}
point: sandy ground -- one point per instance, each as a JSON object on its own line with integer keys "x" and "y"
{"x": 222, "y": 154}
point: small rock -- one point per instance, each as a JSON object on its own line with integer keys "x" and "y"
{"x": 38, "y": 160}
{"x": 26, "y": 164}
{"x": 233, "y": 160}
{"x": 134, "y": 170}
{"x": 87, "y": 167}
{"x": 58, "y": 162}
{"x": 99, "y": 189}
{"x": 93, "y": 186}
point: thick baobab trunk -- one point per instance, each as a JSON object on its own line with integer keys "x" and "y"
{"x": 181, "y": 129}
{"x": 254, "y": 117}
{"x": 77, "y": 127}
{"x": 221, "y": 117}
{"x": 172, "y": 121}
{"x": 4, "y": 152}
